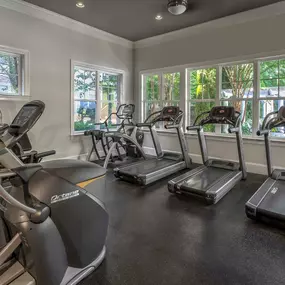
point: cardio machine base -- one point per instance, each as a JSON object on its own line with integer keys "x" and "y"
{"x": 207, "y": 183}
{"x": 266, "y": 205}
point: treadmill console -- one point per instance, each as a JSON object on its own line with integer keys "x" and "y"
{"x": 221, "y": 112}
{"x": 169, "y": 113}
{"x": 281, "y": 113}
{"x": 128, "y": 110}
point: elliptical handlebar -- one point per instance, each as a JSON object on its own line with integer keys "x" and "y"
{"x": 12, "y": 201}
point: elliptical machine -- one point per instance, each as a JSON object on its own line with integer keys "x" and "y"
{"x": 44, "y": 240}
{"x": 127, "y": 127}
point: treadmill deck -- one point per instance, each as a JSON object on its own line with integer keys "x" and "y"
{"x": 147, "y": 166}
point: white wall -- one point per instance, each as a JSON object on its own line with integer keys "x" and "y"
{"x": 237, "y": 39}
{"x": 51, "y": 48}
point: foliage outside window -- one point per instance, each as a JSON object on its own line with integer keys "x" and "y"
{"x": 161, "y": 90}
{"x": 272, "y": 90}
{"x": 253, "y": 88}
{"x": 202, "y": 94}
{"x": 11, "y": 73}
{"x": 96, "y": 95}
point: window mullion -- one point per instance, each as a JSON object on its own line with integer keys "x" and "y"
{"x": 183, "y": 95}
{"x": 161, "y": 89}
{"x": 98, "y": 98}
{"x": 218, "y": 93}
{"x": 256, "y": 93}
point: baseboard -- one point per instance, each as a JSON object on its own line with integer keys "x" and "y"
{"x": 196, "y": 158}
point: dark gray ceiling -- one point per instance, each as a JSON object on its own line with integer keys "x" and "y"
{"x": 134, "y": 19}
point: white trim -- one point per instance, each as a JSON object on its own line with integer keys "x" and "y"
{"x": 196, "y": 158}
{"x": 65, "y": 22}
{"x": 240, "y": 18}
{"x": 17, "y": 98}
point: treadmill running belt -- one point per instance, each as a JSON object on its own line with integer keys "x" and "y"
{"x": 273, "y": 202}
{"x": 147, "y": 166}
{"x": 203, "y": 180}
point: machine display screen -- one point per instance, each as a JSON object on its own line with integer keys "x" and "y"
{"x": 222, "y": 112}
{"x": 24, "y": 115}
{"x": 170, "y": 111}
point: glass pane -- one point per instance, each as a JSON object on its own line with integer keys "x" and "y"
{"x": 245, "y": 108}
{"x": 109, "y": 94}
{"x": 282, "y": 68}
{"x": 269, "y": 69}
{"x": 10, "y": 65}
{"x": 151, "y": 107}
{"x": 171, "y": 86}
{"x": 196, "y": 108}
{"x": 237, "y": 73}
{"x": 109, "y": 80}
{"x": 84, "y": 84}
{"x": 269, "y": 88}
{"x": 282, "y": 87}
{"x": 84, "y": 115}
{"x": 203, "y": 84}
{"x": 106, "y": 109}
{"x": 170, "y": 103}
{"x": 268, "y": 106}
{"x": 152, "y": 87}
{"x": 9, "y": 84}
{"x": 239, "y": 90}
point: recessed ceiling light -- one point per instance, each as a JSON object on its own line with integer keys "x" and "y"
{"x": 80, "y": 5}
{"x": 158, "y": 17}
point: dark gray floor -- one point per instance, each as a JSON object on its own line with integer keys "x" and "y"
{"x": 158, "y": 239}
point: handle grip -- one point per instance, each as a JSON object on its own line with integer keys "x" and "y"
{"x": 193, "y": 128}
{"x": 262, "y": 132}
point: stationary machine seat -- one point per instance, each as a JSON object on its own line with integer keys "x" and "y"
{"x": 74, "y": 171}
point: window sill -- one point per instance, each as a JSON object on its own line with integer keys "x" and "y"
{"x": 19, "y": 98}
{"x": 225, "y": 137}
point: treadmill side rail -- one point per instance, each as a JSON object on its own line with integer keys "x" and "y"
{"x": 223, "y": 186}
{"x": 174, "y": 184}
{"x": 257, "y": 198}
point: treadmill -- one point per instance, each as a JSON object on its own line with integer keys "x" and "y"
{"x": 267, "y": 204}
{"x": 215, "y": 178}
{"x": 164, "y": 163}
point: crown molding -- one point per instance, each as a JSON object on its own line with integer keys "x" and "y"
{"x": 65, "y": 22}
{"x": 243, "y": 17}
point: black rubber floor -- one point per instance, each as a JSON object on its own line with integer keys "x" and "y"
{"x": 158, "y": 239}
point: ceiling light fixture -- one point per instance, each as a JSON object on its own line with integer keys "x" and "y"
{"x": 177, "y": 7}
{"x": 80, "y": 5}
{"x": 158, "y": 17}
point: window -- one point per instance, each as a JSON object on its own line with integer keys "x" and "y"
{"x": 237, "y": 91}
{"x": 202, "y": 94}
{"x": 13, "y": 72}
{"x": 254, "y": 88}
{"x": 162, "y": 89}
{"x": 96, "y": 94}
{"x": 271, "y": 90}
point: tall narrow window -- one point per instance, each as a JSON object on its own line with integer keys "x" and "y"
{"x": 272, "y": 90}
{"x": 201, "y": 94}
{"x": 96, "y": 95}
{"x": 160, "y": 90}
{"x": 237, "y": 91}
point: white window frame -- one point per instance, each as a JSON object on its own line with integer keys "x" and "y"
{"x": 184, "y": 70}
{"x": 24, "y": 74}
{"x": 97, "y": 69}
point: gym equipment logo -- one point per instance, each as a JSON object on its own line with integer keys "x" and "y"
{"x": 65, "y": 196}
